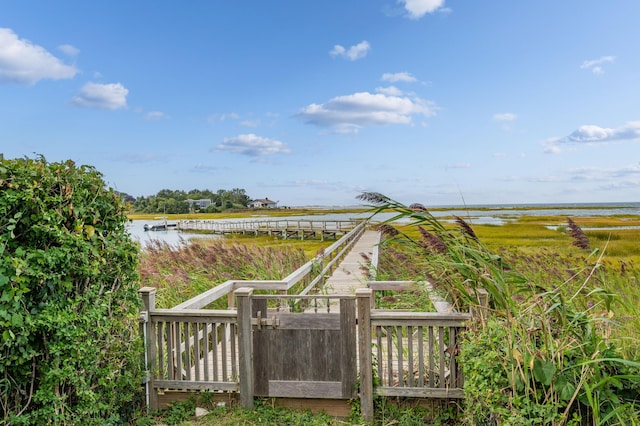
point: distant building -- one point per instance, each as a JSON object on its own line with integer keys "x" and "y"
{"x": 200, "y": 204}
{"x": 264, "y": 203}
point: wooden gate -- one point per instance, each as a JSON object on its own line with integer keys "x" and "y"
{"x": 309, "y": 354}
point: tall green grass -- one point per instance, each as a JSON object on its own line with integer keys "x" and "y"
{"x": 560, "y": 343}
{"x": 180, "y": 272}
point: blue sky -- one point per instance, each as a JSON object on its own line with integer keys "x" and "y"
{"x": 440, "y": 102}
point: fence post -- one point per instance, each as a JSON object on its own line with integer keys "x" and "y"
{"x": 148, "y": 295}
{"x": 363, "y": 297}
{"x": 245, "y": 346}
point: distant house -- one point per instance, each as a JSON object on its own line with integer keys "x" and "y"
{"x": 203, "y": 203}
{"x": 264, "y": 203}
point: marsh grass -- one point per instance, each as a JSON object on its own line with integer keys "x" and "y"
{"x": 180, "y": 272}
{"x": 561, "y": 343}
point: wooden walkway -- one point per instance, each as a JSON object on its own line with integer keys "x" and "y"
{"x": 353, "y": 272}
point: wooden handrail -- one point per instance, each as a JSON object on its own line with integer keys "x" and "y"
{"x": 335, "y": 253}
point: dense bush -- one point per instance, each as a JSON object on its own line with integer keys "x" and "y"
{"x": 68, "y": 283}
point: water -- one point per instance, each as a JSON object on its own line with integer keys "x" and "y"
{"x": 172, "y": 236}
{"x": 475, "y": 215}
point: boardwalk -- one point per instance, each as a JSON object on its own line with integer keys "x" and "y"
{"x": 353, "y": 272}
{"x": 191, "y": 348}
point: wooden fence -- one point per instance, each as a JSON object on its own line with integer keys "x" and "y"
{"x": 413, "y": 354}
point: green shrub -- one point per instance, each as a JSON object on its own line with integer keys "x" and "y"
{"x": 68, "y": 297}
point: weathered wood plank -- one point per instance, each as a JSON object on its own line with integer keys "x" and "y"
{"x": 417, "y": 392}
{"x": 306, "y": 389}
{"x": 308, "y": 321}
{"x": 197, "y": 385}
{"x": 348, "y": 343}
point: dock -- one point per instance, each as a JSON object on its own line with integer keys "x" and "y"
{"x": 281, "y": 228}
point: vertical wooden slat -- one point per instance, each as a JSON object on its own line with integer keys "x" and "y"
{"x": 223, "y": 341}
{"x": 243, "y": 296}
{"x": 379, "y": 347}
{"x": 205, "y": 345}
{"x": 148, "y": 295}
{"x": 420, "y": 356}
{"x": 389, "y": 356}
{"x": 348, "y": 346}
{"x": 170, "y": 354}
{"x": 214, "y": 350}
{"x": 410, "y": 355}
{"x": 453, "y": 381}
{"x": 234, "y": 342}
{"x": 178, "y": 350}
{"x": 441, "y": 380}
{"x": 400, "y": 356}
{"x": 187, "y": 350}
{"x": 431, "y": 357}
{"x": 161, "y": 358}
{"x": 363, "y": 297}
{"x": 198, "y": 357}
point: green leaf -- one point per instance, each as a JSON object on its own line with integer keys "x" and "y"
{"x": 16, "y": 320}
{"x": 543, "y": 371}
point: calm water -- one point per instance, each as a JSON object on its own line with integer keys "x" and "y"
{"x": 496, "y": 215}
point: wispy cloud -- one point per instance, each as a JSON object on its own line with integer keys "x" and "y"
{"x": 253, "y": 146}
{"x": 590, "y": 134}
{"x": 390, "y": 91}
{"x": 504, "y": 116}
{"x": 102, "y": 96}
{"x": 350, "y": 113}
{"x": 23, "y": 62}
{"x": 398, "y": 76}
{"x": 250, "y": 123}
{"x": 418, "y": 8}
{"x": 355, "y": 52}
{"x": 596, "y": 65}
{"x": 69, "y": 50}
{"x": 155, "y": 115}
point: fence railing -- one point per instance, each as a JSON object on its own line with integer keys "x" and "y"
{"x": 282, "y": 227}
{"x": 190, "y": 348}
{"x": 312, "y": 274}
{"x": 412, "y": 354}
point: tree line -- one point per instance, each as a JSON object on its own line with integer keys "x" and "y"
{"x": 176, "y": 201}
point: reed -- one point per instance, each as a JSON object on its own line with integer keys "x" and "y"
{"x": 180, "y": 272}
{"x": 561, "y": 343}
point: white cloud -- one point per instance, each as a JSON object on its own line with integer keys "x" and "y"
{"x": 596, "y": 134}
{"x": 398, "y": 76}
{"x": 253, "y": 145}
{"x": 590, "y": 134}
{"x": 23, "y": 62}
{"x": 357, "y": 51}
{"x": 102, "y": 96}
{"x": 348, "y": 114}
{"x": 69, "y": 50}
{"x": 250, "y": 123}
{"x": 389, "y": 91}
{"x": 504, "y": 116}
{"x": 596, "y": 65}
{"x": 418, "y": 8}
{"x": 230, "y": 116}
{"x": 155, "y": 115}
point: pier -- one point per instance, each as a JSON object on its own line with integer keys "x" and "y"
{"x": 282, "y": 228}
